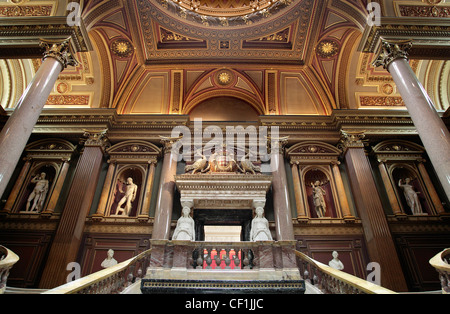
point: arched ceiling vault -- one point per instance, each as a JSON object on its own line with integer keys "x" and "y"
{"x": 289, "y": 57}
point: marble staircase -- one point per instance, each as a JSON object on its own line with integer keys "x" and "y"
{"x": 184, "y": 267}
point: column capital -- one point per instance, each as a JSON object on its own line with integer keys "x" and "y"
{"x": 391, "y": 51}
{"x": 280, "y": 144}
{"x": 59, "y": 50}
{"x": 97, "y": 138}
{"x": 169, "y": 143}
{"x": 352, "y": 139}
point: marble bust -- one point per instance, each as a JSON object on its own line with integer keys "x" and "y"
{"x": 335, "y": 263}
{"x": 109, "y": 260}
{"x": 185, "y": 230}
{"x": 260, "y": 227}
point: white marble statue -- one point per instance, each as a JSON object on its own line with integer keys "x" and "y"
{"x": 260, "y": 227}
{"x": 411, "y": 196}
{"x": 39, "y": 193}
{"x": 128, "y": 199}
{"x": 319, "y": 199}
{"x": 335, "y": 263}
{"x": 185, "y": 230}
{"x": 109, "y": 260}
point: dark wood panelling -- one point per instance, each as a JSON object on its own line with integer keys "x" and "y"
{"x": 351, "y": 249}
{"x": 95, "y": 247}
{"x": 32, "y": 249}
{"x": 415, "y": 252}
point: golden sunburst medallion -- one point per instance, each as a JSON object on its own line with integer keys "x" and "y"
{"x": 327, "y": 48}
{"x": 224, "y": 77}
{"x": 122, "y": 48}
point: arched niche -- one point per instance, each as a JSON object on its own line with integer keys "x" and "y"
{"x": 398, "y": 160}
{"x": 224, "y": 108}
{"x": 49, "y": 156}
{"x": 35, "y": 195}
{"x": 124, "y": 173}
{"x": 312, "y": 162}
{"x": 319, "y": 192}
{"x": 399, "y": 173}
{"x": 135, "y": 159}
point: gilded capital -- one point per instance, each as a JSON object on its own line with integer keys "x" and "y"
{"x": 352, "y": 139}
{"x": 95, "y": 138}
{"x": 169, "y": 143}
{"x": 277, "y": 144}
{"x": 391, "y": 51}
{"x": 59, "y": 50}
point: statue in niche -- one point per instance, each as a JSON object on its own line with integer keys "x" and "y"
{"x": 260, "y": 227}
{"x": 128, "y": 199}
{"x": 411, "y": 196}
{"x": 335, "y": 263}
{"x": 185, "y": 230}
{"x": 39, "y": 193}
{"x": 109, "y": 260}
{"x": 319, "y": 199}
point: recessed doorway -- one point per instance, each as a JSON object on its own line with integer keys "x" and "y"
{"x": 232, "y": 224}
{"x": 223, "y": 233}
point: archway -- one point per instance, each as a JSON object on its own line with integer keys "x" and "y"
{"x": 224, "y": 108}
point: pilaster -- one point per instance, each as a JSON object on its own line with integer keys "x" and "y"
{"x": 379, "y": 239}
{"x": 68, "y": 236}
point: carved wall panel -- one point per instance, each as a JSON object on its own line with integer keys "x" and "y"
{"x": 32, "y": 248}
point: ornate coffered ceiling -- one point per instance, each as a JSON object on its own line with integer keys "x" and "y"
{"x": 290, "y": 57}
{"x": 280, "y": 31}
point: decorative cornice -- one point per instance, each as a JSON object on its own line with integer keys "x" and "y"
{"x": 21, "y": 37}
{"x": 429, "y": 35}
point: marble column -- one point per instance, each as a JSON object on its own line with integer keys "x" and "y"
{"x": 17, "y": 131}
{"x": 144, "y": 215}
{"x": 380, "y": 243}
{"x": 396, "y": 209}
{"x": 101, "y": 209}
{"x": 300, "y": 204}
{"x": 342, "y": 196}
{"x": 67, "y": 240}
{"x": 431, "y": 190}
{"x": 57, "y": 190}
{"x": 16, "y": 189}
{"x": 281, "y": 202}
{"x": 164, "y": 204}
{"x": 432, "y": 130}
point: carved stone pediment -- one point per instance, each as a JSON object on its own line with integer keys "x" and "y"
{"x": 134, "y": 151}
{"x": 313, "y": 152}
{"x": 398, "y": 150}
{"x": 50, "y": 149}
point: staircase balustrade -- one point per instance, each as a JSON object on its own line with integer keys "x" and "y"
{"x": 7, "y": 261}
{"x": 111, "y": 280}
{"x": 331, "y": 281}
{"x": 441, "y": 262}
